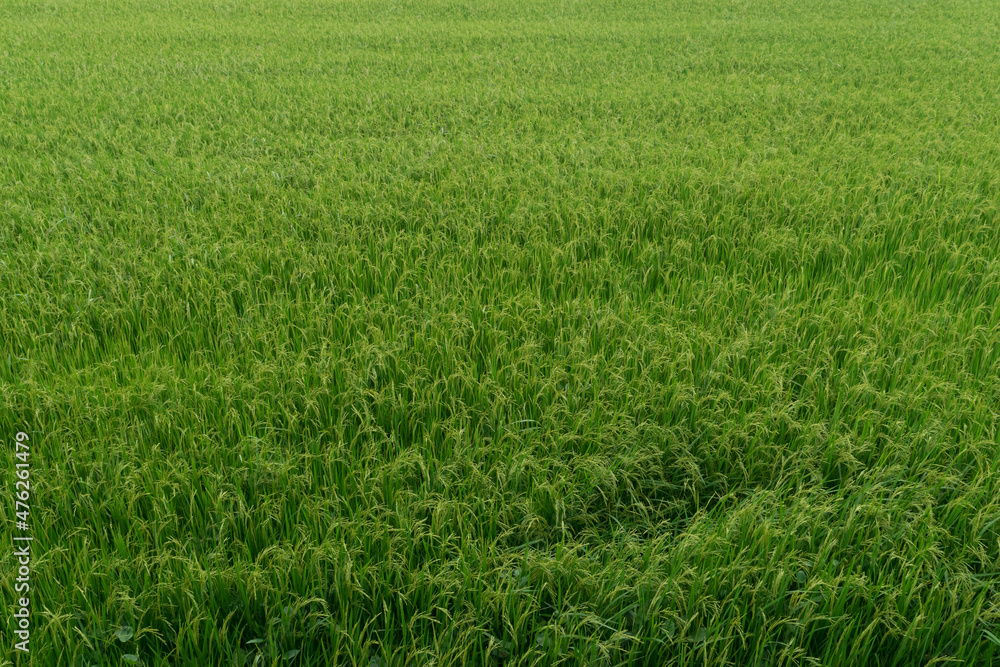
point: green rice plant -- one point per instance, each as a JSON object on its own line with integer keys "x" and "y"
{"x": 423, "y": 332}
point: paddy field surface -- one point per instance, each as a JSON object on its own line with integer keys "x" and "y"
{"x": 539, "y": 332}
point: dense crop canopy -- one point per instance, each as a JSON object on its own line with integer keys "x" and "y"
{"x": 476, "y": 333}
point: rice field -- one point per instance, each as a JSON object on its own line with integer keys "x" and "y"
{"x": 543, "y": 332}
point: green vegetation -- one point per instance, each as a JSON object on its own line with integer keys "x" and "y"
{"x": 537, "y": 332}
